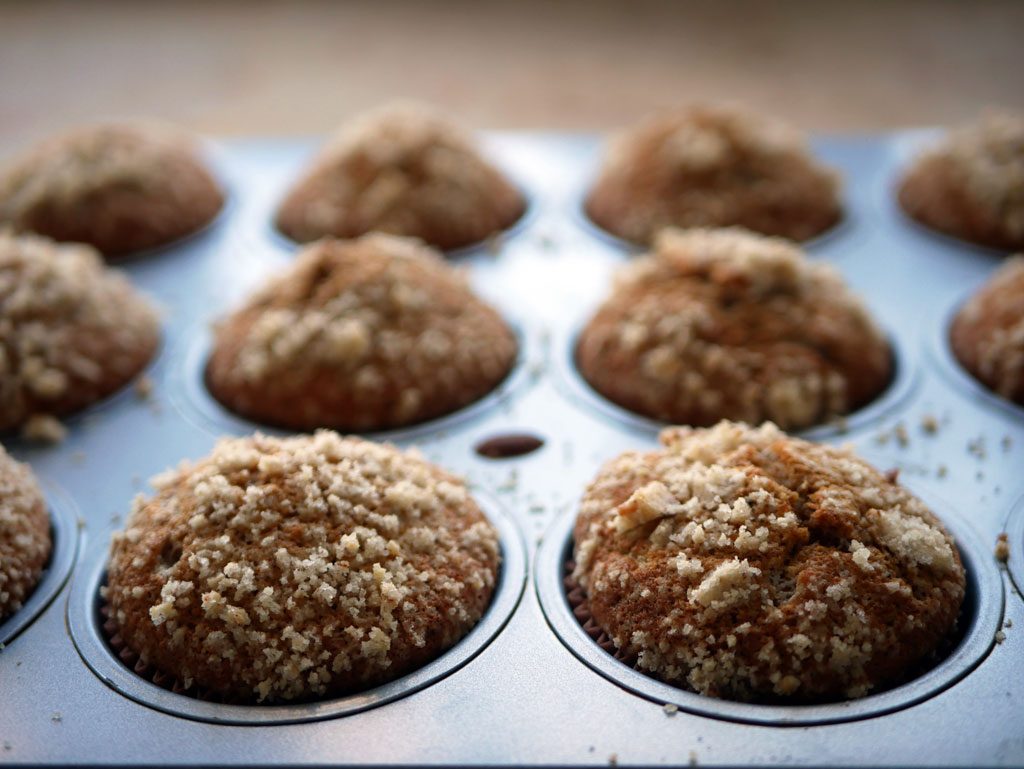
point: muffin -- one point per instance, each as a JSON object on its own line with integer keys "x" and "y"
{"x": 987, "y": 335}
{"x": 299, "y": 568}
{"x": 72, "y": 330}
{"x": 971, "y": 185}
{"x": 365, "y": 334}
{"x": 724, "y": 324}
{"x": 712, "y": 167}
{"x": 24, "y": 534}
{"x": 120, "y": 187}
{"x": 740, "y": 563}
{"x": 406, "y": 170}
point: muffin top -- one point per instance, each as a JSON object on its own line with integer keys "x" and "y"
{"x": 24, "y": 534}
{"x": 746, "y": 564}
{"x": 120, "y": 187}
{"x": 71, "y": 329}
{"x": 725, "y": 324}
{"x": 403, "y": 169}
{"x": 365, "y": 334}
{"x": 301, "y": 567}
{"x": 971, "y": 184}
{"x": 988, "y": 332}
{"x": 709, "y": 166}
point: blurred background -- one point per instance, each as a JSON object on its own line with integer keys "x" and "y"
{"x": 280, "y": 68}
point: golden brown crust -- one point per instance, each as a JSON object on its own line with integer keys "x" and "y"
{"x": 72, "y": 331}
{"x": 406, "y": 170}
{"x": 988, "y": 332}
{"x": 365, "y": 334}
{"x": 724, "y": 324}
{"x": 971, "y": 186}
{"x": 294, "y": 568}
{"x": 24, "y": 534}
{"x": 745, "y": 564}
{"x": 712, "y": 167}
{"x": 120, "y": 187}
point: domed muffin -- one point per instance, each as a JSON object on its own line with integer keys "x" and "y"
{"x": 298, "y": 568}
{"x": 72, "y": 330}
{"x": 713, "y": 167}
{"x": 971, "y": 185}
{"x": 24, "y": 534}
{"x": 365, "y": 334}
{"x": 741, "y": 563}
{"x": 988, "y": 333}
{"x": 406, "y": 170}
{"x": 120, "y": 187}
{"x": 724, "y": 324}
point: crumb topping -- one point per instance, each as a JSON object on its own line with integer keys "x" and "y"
{"x": 279, "y": 569}
{"x": 763, "y": 565}
{"x": 725, "y": 323}
{"x": 24, "y": 534}
{"x": 713, "y": 166}
{"x": 378, "y": 315}
{"x": 988, "y": 333}
{"x": 70, "y": 328}
{"x": 404, "y": 169}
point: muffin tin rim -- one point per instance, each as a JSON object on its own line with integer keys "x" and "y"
{"x": 984, "y": 584}
{"x": 575, "y": 388}
{"x": 64, "y": 530}
{"x": 1015, "y": 539}
{"x": 83, "y": 625}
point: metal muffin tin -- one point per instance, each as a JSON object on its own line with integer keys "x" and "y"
{"x": 530, "y": 690}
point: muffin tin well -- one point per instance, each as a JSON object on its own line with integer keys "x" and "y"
{"x": 527, "y": 686}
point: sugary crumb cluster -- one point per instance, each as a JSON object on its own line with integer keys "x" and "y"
{"x": 361, "y": 334}
{"x": 971, "y": 185}
{"x": 713, "y": 167}
{"x": 120, "y": 187}
{"x": 403, "y": 169}
{"x": 725, "y": 324}
{"x": 988, "y": 333}
{"x": 24, "y": 534}
{"x": 743, "y": 563}
{"x": 292, "y": 568}
{"x": 71, "y": 329}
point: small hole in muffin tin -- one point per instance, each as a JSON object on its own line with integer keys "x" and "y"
{"x": 85, "y": 624}
{"x": 196, "y": 403}
{"x": 980, "y": 618}
{"x": 578, "y": 389}
{"x": 843, "y": 226}
{"x": 940, "y": 349}
{"x": 64, "y": 534}
{"x": 497, "y": 238}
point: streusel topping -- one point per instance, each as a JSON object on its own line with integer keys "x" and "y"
{"x": 24, "y": 534}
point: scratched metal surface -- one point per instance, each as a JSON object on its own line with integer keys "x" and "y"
{"x": 532, "y": 695}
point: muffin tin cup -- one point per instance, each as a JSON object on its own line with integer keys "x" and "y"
{"x": 86, "y": 627}
{"x": 940, "y": 351}
{"x": 65, "y": 535}
{"x": 192, "y": 398}
{"x": 982, "y": 614}
{"x": 578, "y": 390}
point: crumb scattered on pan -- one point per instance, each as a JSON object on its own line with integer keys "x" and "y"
{"x": 56, "y": 717}
{"x": 1006, "y": 442}
{"x": 511, "y": 483}
{"x": 43, "y": 428}
{"x": 1008, "y": 623}
{"x": 613, "y": 759}
{"x": 976, "y": 447}
{"x": 143, "y": 387}
{"x": 1000, "y": 636}
{"x": 929, "y": 424}
{"x": 841, "y": 424}
{"x": 693, "y": 758}
{"x": 670, "y": 709}
{"x": 902, "y": 436}
{"x": 1003, "y": 547}
{"x": 942, "y": 471}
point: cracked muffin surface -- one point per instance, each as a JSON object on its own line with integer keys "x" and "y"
{"x": 403, "y": 169}
{"x": 297, "y": 568}
{"x": 971, "y": 184}
{"x": 72, "y": 330}
{"x": 25, "y": 541}
{"x": 366, "y": 334}
{"x": 741, "y": 563}
{"x": 987, "y": 335}
{"x": 120, "y": 187}
{"x": 712, "y": 166}
{"x": 725, "y": 324}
